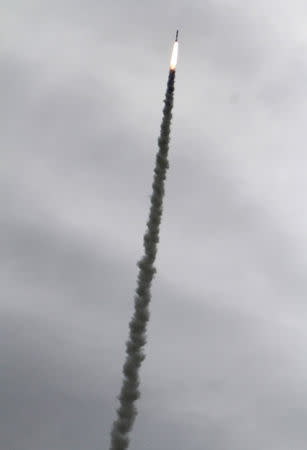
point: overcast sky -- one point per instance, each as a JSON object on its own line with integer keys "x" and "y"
{"x": 81, "y": 89}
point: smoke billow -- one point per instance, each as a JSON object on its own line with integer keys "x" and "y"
{"x": 126, "y": 413}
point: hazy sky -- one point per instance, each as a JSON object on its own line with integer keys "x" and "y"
{"x": 81, "y": 89}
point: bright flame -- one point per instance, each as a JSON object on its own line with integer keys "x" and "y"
{"x": 174, "y": 56}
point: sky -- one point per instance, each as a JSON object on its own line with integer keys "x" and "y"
{"x": 82, "y": 87}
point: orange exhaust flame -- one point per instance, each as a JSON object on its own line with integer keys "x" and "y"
{"x": 174, "y": 56}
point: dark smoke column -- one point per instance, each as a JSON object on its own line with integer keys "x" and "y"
{"x": 126, "y": 413}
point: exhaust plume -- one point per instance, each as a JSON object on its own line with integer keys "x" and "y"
{"x": 127, "y": 411}
{"x": 174, "y": 56}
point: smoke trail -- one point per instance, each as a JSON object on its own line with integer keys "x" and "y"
{"x": 126, "y": 413}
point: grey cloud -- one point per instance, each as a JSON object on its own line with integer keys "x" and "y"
{"x": 80, "y": 110}
{"x": 286, "y": 89}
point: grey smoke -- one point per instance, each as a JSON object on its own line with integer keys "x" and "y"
{"x": 127, "y": 411}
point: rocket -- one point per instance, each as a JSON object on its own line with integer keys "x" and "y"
{"x": 176, "y": 36}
